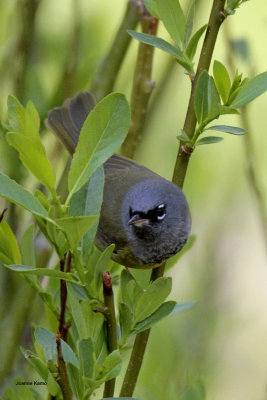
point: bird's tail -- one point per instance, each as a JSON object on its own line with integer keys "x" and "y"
{"x": 67, "y": 120}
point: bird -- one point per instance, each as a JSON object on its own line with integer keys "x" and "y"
{"x": 146, "y": 216}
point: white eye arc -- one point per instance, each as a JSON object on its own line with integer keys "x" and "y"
{"x": 160, "y": 212}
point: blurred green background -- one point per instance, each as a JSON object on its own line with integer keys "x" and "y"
{"x": 51, "y": 51}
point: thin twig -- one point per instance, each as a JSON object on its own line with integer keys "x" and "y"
{"x": 110, "y": 326}
{"x": 142, "y": 86}
{"x": 108, "y": 69}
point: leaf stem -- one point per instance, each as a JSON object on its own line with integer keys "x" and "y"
{"x": 110, "y": 326}
{"x": 108, "y": 69}
{"x": 142, "y": 86}
{"x": 138, "y": 350}
{"x": 217, "y": 17}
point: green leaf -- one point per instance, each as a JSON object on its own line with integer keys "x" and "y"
{"x": 9, "y": 249}
{"x": 252, "y": 89}
{"x": 156, "y": 42}
{"x": 192, "y": 45}
{"x": 78, "y": 315}
{"x": 151, "y": 7}
{"x": 130, "y": 289}
{"x": 12, "y": 191}
{"x": 102, "y": 133}
{"x": 41, "y": 367}
{"x": 189, "y": 22}
{"x": 54, "y": 273}
{"x": 76, "y": 227}
{"x": 161, "y": 44}
{"x": 88, "y": 201}
{"x": 227, "y": 110}
{"x": 111, "y": 367}
{"x": 33, "y": 158}
{"x": 172, "y": 16}
{"x": 222, "y": 80}
{"x": 120, "y": 398}
{"x": 47, "y": 341}
{"x": 126, "y": 321}
{"x": 228, "y": 129}
{"x": 209, "y": 140}
{"x": 152, "y": 298}
{"x": 27, "y": 247}
{"x": 207, "y": 99}
{"x": 24, "y": 124}
{"x": 180, "y": 307}
{"x": 86, "y": 356}
{"x": 163, "y": 311}
{"x": 76, "y": 382}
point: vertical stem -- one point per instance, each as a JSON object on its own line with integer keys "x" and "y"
{"x": 216, "y": 19}
{"x": 107, "y": 72}
{"x": 62, "y": 334}
{"x": 110, "y": 326}
{"x": 142, "y": 86}
{"x": 138, "y": 350}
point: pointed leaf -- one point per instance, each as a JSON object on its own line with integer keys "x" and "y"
{"x": 152, "y": 298}
{"x": 192, "y": 45}
{"x": 102, "y": 133}
{"x": 156, "y": 42}
{"x": 189, "y": 22}
{"x": 228, "y": 129}
{"x": 222, "y": 80}
{"x": 163, "y": 311}
{"x": 33, "y": 159}
{"x": 126, "y": 321}
{"x": 111, "y": 366}
{"x": 26, "y": 269}
{"x": 12, "y": 191}
{"x": 207, "y": 99}
{"x": 209, "y": 140}
{"x": 173, "y": 18}
{"x": 250, "y": 90}
{"x": 180, "y": 307}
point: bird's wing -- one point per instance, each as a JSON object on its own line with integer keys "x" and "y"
{"x": 116, "y": 163}
{"x": 67, "y": 121}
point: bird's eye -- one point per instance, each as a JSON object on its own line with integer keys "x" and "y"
{"x": 160, "y": 212}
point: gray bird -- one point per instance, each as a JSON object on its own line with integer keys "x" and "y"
{"x": 143, "y": 214}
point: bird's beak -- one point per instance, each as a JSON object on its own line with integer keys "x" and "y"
{"x": 138, "y": 222}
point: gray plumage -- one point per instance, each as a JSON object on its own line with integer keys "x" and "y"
{"x": 146, "y": 216}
